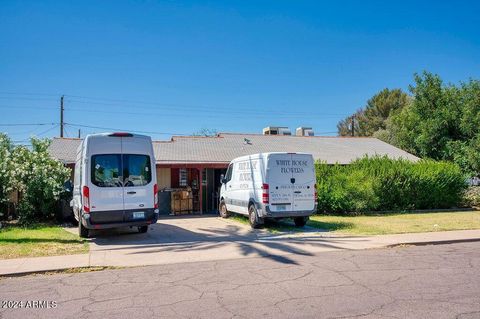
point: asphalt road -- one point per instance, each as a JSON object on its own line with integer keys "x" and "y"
{"x": 440, "y": 281}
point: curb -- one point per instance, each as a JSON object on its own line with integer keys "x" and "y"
{"x": 435, "y": 242}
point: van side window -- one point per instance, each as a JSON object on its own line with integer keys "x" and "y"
{"x": 228, "y": 175}
{"x": 136, "y": 170}
{"x": 106, "y": 170}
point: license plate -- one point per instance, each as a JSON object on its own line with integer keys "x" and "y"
{"x": 281, "y": 207}
{"x": 138, "y": 215}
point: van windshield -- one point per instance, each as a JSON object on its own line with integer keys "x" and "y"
{"x": 115, "y": 170}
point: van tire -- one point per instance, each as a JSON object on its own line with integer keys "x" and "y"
{"x": 253, "y": 219}
{"x": 222, "y": 208}
{"x": 82, "y": 231}
{"x": 300, "y": 221}
{"x": 142, "y": 229}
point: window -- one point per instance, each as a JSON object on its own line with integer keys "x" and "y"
{"x": 106, "y": 170}
{"x": 136, "y": 170}
{"x": 228, "y": 175}
{"x": 115, "y": 170}
{"x": 182, "y": 177}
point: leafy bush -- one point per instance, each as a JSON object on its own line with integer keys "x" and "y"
{"x": 6, "y": 185}
{"x": 40, "y": 180}
{"x": 472, "y": 196}
{"x": 380, "y": 183}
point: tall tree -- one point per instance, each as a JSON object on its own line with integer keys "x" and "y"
{"x": 374, "y": 115}
{"x": 442, "y": 122}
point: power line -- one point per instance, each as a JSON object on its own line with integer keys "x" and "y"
{"x": 28, "y": 107}
{"x": 120, "y": 129}
{"x": 31, "y": 94}
{"x": 26, "y": 124}
{"x": 204, "y": 108}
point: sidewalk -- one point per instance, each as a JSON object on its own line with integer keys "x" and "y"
{"x": 209, "y": 244}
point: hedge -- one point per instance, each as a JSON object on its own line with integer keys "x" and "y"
{"x": 383, "y": 184}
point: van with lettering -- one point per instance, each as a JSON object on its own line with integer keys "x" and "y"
{"x": 115, "y": 184}
{"x": 270, "y": 185}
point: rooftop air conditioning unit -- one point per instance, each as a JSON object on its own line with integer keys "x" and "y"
{"x": 276, "y": 130}
{"x": 304, "y": 131}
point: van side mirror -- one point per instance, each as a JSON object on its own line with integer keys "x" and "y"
{"x": 223, "y": 180}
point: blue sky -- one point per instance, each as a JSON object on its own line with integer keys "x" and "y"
{"x": 234, "y": 66}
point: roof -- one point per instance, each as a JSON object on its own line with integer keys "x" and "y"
{"x": 226, "y": 146}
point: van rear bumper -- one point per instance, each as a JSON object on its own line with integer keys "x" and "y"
{"x": 117, "y": 219}
{"x": 300, "y": 213}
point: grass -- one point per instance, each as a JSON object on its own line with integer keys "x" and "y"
{"x": 39, "y": 240}
{"x": 398, "y": 223}
{"x": 372, "y": 224}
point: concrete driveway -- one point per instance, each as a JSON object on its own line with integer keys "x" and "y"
{"x": 205, "y": 238}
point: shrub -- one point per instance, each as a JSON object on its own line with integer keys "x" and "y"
{"x": 40, "y": 180}
{"x": 6, "y": 185}
{"x": 380, "y": 183}
{"x": 472, "y": 196}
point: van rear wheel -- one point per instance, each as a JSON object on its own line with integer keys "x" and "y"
{"x": 82, "y": 231}
{"x": 300, "y": 221}
{"x": 223, "y": 209}
{"x": 253, "y": 218}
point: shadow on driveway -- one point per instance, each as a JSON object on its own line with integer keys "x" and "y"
{"x": 211, "y": 235}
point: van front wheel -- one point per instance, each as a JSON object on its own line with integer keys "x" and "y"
{"x": 223, "y": 209}
{"x": 300, "y": 221}
{"x": 253, "y": 218}
{"x": 142, "y": 229}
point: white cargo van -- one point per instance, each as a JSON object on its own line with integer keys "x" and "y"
{"x": 270, "y": 185}
{"x": 115, "y": 183}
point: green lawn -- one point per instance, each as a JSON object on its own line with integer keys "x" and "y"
{"x": 384, "y": 224}
{"x": 40, "y": 240}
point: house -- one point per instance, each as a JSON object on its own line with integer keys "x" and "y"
{"x": 194, "y": 164}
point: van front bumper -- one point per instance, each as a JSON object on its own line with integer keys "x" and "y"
{"x": 117, "y": 219}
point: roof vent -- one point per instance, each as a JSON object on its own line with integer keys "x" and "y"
{"x": 276, "y": 130}
{"x": 304, "y": 131}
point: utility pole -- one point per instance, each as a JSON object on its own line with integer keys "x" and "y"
{"x": 61, "y": 116}
{"x": 353, "y": 125}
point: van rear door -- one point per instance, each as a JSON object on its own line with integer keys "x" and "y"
{"x": 137, "y": 176}
{"x": 279, "y": 182}
{"x": 105, "y": 175}
{"x": 303, "y": 178}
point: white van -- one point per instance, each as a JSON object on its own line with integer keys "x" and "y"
{"x": 270, "y": 185}
{"x": 115, "y": 183}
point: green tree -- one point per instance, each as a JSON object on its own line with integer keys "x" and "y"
{"x": 441, "y": 123}
{"x": 373, "y": 117}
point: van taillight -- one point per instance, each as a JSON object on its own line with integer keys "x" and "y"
{"x": 155, "y": 196}
{"x": 86, "y": 199}
{"x": 316, "y": 194}
{"x": 265, "y": 195}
